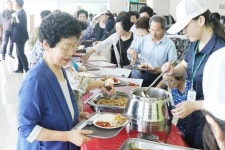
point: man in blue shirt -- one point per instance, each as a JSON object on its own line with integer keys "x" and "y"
{"x": 154, "y": 49}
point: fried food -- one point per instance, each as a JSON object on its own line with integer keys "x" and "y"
{"x": 112, "y": 121}
{"x": 103, "y": 123}
{"x": 144, "y": 66}
{"x": 118, "y": 101}
{"x": 120, "y": 119}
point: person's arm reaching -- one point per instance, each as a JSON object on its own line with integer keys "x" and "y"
{"x": 178, "y": 71}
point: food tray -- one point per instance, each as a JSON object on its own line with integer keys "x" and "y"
{"x": 138, "y": 68}
{"x": 104, "y": 108}
{"x": 140, "y": 144}
{"x": 97, "y": 132}
{"x": 91, "y": 68}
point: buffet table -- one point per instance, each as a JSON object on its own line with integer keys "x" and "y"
{"x": 115, "y": 143}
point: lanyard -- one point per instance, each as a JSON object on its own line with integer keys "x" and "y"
{"x": 193, "y": 62}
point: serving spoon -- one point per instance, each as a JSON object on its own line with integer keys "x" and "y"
{"x": 145, "y": 93}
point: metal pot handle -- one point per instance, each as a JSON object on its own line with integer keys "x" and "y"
{"x": 169, "y": 121}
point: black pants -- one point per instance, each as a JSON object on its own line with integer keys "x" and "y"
{"x": 22, "y": 58}
{"x": 147, "y": 77}
{"x": 7, "y": 38}
{"x": 194, "y": 125}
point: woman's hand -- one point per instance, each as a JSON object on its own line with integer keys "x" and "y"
{"x": 133, "y": 55}
{"x": 78, "y": 137}
{"x": 168, "y": 68}
{"x": 83, "y": 115}
{"x": 184, "y": 109}
{"x": 85, "y": 58}
{"x": 109, "y": 89}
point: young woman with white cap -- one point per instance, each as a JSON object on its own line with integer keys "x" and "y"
{"x": 206, "y": 36}
{"x": 214, "y": 104}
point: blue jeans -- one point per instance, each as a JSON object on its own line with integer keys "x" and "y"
{"x": 7, "y": 37}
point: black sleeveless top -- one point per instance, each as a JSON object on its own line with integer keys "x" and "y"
{"x": 124, "y": 46}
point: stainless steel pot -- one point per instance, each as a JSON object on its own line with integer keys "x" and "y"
{"x": 148, "y": 114}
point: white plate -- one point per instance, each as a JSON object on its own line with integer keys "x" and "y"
{"x": 109, "y": 118}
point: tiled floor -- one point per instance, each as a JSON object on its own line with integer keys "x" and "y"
{"x": 9, "y": 85}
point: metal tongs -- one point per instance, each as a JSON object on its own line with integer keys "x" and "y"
{"x": 145, "y": 93}
{"x": 169, "y": 121}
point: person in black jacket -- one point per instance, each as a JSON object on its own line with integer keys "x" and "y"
{"x": 20, "y": 35}
{"x": 106, "y": 24}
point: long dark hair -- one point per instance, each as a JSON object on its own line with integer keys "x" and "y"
{"x": 209, "y": 140}
{"x": 211, "y": 20}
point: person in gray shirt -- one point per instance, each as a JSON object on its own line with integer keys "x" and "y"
{"x": 7, "y": 29}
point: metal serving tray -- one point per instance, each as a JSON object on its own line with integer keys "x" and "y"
{"x": 97, "y": 132}
{"x": 104, "y": 108}
{"x": 135, "y": 143}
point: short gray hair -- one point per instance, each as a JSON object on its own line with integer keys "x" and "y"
{"x": 160, "y": 19}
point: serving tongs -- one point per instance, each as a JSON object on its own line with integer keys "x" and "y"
{"x": 145, "y": 93}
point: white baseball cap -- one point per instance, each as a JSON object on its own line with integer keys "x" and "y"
{"x": 214, "y": 84}
{"x": 101, "y": 11}
{"x": 186, "y": 10}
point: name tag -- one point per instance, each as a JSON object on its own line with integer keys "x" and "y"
{"x": 191, "y": 95}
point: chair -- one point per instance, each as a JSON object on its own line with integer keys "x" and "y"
{"x": 179, "y": 46}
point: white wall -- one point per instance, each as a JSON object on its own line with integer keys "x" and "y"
{"x": 161, "y": 7}
{"x": 164, "y": 7}
{"x": 116, "y": 6}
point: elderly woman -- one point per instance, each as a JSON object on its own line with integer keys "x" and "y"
{"x": 120, "y": 41}
{"x": 178, "y": 86}
{"x": 47, "y": 108}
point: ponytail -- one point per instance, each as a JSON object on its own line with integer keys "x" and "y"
{"x": 211, "y": 20}
{"x": 217, "y": 27}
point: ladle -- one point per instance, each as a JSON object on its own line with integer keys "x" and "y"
{"x": 145, "y": 93}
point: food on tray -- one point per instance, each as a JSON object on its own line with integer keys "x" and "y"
{"x": 132, "y": 84}
{"x": 110, "y": 80}
{"x": 144, "y": 66}
{"x": 118, "y": 101}
{"x": 103, "y": 123}
{"x": 108, "y": 87}
{"x": 110, "y": 121}
{"x": 120, "y": 119}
